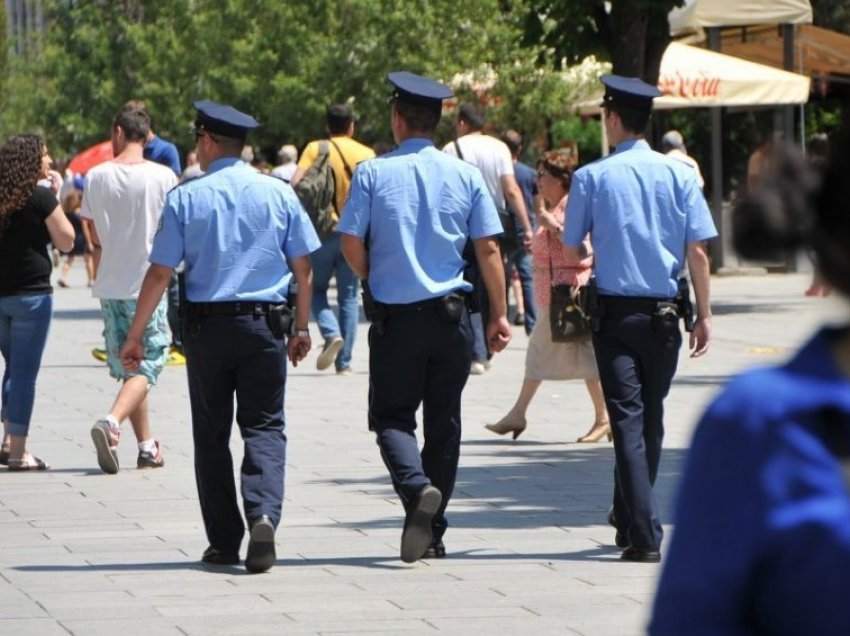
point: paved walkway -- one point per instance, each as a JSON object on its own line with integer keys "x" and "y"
{"x": 530, "y": 553}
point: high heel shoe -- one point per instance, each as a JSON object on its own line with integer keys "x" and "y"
{"x": 508, "y": 424}
{"x": 595, "y": 434}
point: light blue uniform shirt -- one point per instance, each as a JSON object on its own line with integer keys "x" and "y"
{"x": 641, "y": 208}
{"x": 419, "y": 206}
{"x": 234, "y": 227}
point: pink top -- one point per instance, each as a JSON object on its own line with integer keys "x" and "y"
{"x": 546, "y": 245}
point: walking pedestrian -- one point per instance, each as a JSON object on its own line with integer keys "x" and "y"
{"x": 646, "y": 214}
{"x": 244, "y": 238}
{"x": 409, "y": 215}
{"x": 546, "y": 359}
{"x": 30, "y": 218}
{"x": 344, "y": 154}
{"x": 123, "y": 200}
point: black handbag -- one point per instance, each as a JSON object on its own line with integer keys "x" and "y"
{"x": 567, "y": 322}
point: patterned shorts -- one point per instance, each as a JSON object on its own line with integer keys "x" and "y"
{"x": 117, "y": 317}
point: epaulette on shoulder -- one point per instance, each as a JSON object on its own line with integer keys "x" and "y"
{"x": 189, "y": 180}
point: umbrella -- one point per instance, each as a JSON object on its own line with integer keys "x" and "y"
{"x": 90, "y": 157}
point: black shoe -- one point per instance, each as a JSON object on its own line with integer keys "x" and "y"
{"x": 261, "y": 554}
{"x": 640, "y": 555}
{"x": 519, "y": 320}
{"x": 621, "y": 541}
{"x": 417, "y": 534}
{"x": 214, "y": 556}
{"x": 437, "y": 550}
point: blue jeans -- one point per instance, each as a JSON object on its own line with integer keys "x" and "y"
{"x": 24, "y": 322}
{"x": 327, "y": 261}
{"x": 521, "y": 260}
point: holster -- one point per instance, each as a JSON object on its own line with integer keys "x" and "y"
{"x": 376, "y": 313}
{"x": 684, "y": 304}
{"x": 279, "y": 320}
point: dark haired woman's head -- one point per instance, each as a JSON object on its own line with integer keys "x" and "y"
{"x": 21, "y": 163}
{"x": 558, "y": 164}
{"x": 797, "y": 205}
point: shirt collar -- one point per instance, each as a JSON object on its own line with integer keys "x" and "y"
{"x": 414, "y": 144}
{"x": 637, "y": 143}
{"x": 223, "y": 162}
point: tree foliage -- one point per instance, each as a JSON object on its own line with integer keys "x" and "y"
{"x": 633, "y": 34}
{"x": 283, "y": 62}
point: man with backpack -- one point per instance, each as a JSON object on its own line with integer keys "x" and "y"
{"x": 322, "y": 182}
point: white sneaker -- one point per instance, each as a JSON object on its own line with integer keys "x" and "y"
{"x": 477, "y": 368}
{"x": 328, "y": 355}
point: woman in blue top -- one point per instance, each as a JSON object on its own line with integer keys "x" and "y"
{"x": 30, "y": 218}
{"x": 762, "y": 534}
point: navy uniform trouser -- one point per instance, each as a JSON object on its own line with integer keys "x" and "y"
{"x": 419, "y": 359}
{"x": 227, "y": 356}
{"x": 636, "y": 366}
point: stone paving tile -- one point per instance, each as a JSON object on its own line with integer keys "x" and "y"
{"x": 31, "y": 627}
{"x": 530, "y": 552}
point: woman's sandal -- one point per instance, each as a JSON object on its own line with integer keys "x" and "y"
{"x": 28, "y": 462}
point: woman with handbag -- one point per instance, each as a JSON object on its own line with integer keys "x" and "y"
{"x": 546, "y": 358}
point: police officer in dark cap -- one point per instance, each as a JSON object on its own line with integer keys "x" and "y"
{"x": 409, "y": 215}
{"x": 646, "y": 215}
{"x": 244, "y": 237}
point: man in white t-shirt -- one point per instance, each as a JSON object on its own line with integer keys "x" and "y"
{"x": 124, "y": 200}
{"x": 493, "y": 158}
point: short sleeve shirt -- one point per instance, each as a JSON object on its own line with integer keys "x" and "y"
{"x": 163, "y": 152}
{"x": 641, "y": 209}
{"x": 125, "y": 200}
{"x": 491, "y": 156}
{"x": 235, "y": 228}
{"x": 353, "y": 151}
{"x": 419, "y": 207}
{"x": 25, "y": 265}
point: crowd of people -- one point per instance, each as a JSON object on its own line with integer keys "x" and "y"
{"x": 224, "y": 263}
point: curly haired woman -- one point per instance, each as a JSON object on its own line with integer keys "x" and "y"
{"x": 30, "y": 218}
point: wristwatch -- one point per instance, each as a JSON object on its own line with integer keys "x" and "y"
{"x": 301, "y": 333}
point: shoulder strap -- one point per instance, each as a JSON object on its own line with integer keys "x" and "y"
{"x": 348, "y": 171}
{"x": 323, "y": 148}
{"x": 459, "y": 153}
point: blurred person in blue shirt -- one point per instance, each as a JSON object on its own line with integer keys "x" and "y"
{"x": 762, "y": 526}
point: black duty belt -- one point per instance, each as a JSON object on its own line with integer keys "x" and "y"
{"x": 622, "y": 305}
{"x": 240, "y": 308}
{"x": 421, "y": 304}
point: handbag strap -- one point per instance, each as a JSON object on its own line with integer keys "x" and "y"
{"x": 551, "y": 268}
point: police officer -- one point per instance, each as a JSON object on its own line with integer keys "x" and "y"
{"x": 645, "y": 213}
{"x": 243, "y": 236}
{"x": 404, "y": 227}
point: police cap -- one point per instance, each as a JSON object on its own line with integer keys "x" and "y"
{"x": 415, "y": 89}
{"x": 628, "y": 91}
{"x": 226, "y": 121}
